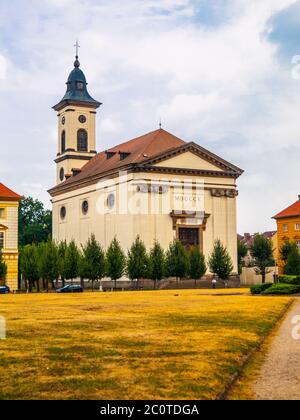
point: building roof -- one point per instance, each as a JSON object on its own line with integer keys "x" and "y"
{"x": 141, "y": 153}
{"x": 291, "y": 211}
{"x": 77, "y": 92}
{"x": 7, "y": 194}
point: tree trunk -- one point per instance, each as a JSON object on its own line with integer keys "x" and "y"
{"x": 30, "y": 286}
{"x": 52, "y": 284}
{"x": 115, "y": 284}
{"x": 63, "y": 282}
{"x": 82, "y": 282}
{"x": 263, "y": 273}
{"x": 38, "y": 286}
{"x": 44, "y": 284}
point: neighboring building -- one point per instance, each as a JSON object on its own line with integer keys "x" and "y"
{"x": 247, "y": 239}
{"x": 9, "y": 204}
{"x": 156, "y": 186}
{"x": 288, "y": 227}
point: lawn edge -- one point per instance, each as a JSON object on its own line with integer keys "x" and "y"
{"x": 223, "y": 396}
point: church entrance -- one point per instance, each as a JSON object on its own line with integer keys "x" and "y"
{"x": 189, "y": 237}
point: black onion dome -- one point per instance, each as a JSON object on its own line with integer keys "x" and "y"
{"x": 77, "y": 92}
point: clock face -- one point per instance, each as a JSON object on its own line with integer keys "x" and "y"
{"x": 63, "y": 120}
{"x": 82, "y": 119}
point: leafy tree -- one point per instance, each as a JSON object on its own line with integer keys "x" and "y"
{"x": 197, "y": 265}
{"x": 71, "y": 262}
{"x": 157, "y": 263}
{"x": 92, "y": 262}
{"x": 242, "y": 252}
{"x": 285, "y": 251}
{"x": 292, "y": 266}
{"x": 35, "y": 223}
{"x": 3, "y": 267}
{"x": 49, "y": 262}
{"x": 62, "y": 249}
{"x": 177, "y": 261}
{"x": 137, "y": 261}
{"x": 262, "y": 253}
{"x": 29, "y": 265}
{"x": 115, "y": 261}
{"x": 220, "y": 262}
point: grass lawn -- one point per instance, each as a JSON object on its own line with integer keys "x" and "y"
{"x": 131, "y": 345}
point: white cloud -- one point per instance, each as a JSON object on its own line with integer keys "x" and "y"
{"x": 3, "y": 67}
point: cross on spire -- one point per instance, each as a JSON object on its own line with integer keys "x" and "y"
{"x": 77, "y": 46}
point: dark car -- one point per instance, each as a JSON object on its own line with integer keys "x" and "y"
{"x": 4, "y": 290}
{"x": 70, "y": 288}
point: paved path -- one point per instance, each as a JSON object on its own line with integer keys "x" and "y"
{"x": 280, "y": 374}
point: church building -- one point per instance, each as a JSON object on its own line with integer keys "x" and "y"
{"x": 157, "y": 185}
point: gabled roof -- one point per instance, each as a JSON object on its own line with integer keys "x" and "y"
{"x": 141, "y": 154}
{"x": 7, "y": 194}
{"x": 291, "y": 211}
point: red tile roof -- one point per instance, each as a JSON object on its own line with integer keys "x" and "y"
{"x": 139, "y": 150}
{"x": 6, "y": 193}
{"x": 291, "y": 211}
{"x": 135, "y": 152}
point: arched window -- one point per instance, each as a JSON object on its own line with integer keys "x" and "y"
{"x": 82, "y": 141}
{"x": 63, "y": 141}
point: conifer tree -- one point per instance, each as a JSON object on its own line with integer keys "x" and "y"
{"x": 262, "y": 252}
{"x": 177, "y": 261}
{"x": 115, "y": 261}
{"x": 92, "y": 261}
{"x": 242, "y": 252}
{"x": 62, "y": 249}
{"x": 197, "y": 265}
{"x": 292, "y": 266}
{"x": 156, "y": 263}
{"x": 29, "y": 265}
{"x": 220, "y": 262}
{"x": 137, "y": 261}
{"x": 49, "y": 262}
{"x": 3, "y": 267}
{"x": 71, "y": 262}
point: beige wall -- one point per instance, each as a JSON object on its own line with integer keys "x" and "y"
{"x": 220, "y": 225}
{"x": 249, "y": 276}
{"x": 72, "y": 125}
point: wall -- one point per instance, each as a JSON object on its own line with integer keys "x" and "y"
{"x": 249, "y": 276}
{"x": 221, "y": 223}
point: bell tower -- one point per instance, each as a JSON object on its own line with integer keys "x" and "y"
{"x": 76, "y": 125}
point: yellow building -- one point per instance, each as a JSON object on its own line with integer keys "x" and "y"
{"x": 9, "y": 204}
{"x": 156, "y": 186}
{"x": 288, "y": 228}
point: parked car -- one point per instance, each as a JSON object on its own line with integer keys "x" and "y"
{"x": 4, "y": 290}
{"x": 70, "y": 288}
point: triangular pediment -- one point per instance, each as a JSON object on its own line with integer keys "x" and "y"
{"x": 193, "y": 157}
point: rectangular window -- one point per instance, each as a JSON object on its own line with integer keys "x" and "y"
{"x": 1, "y": 240}
{"x": 2, "y": 213}
{"x": 297, "y": 226}
{"x": 298, "y": 245}
{"x": 285, "y": 228}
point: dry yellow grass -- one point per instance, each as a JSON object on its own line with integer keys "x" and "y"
{"x": 135, "y": 345}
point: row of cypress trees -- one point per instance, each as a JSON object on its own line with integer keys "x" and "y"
{"x": 48, "y": 262}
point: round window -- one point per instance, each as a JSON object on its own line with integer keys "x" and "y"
{"x": 111, "y": 201}
{"x": 61, "y": 174}
{"x": 82, "y": 119}
{"x": 85, "y": 207}
{"x": 63, "y": 212}
{"x": 63, "y": 120}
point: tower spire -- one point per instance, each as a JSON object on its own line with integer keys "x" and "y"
{"x": 77, "y": 46}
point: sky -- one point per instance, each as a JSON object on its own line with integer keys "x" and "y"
{"x": 222, "y": 73}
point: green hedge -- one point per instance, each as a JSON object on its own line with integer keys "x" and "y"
{"x": 285, "y": 279}
{"x": 282, "y": 289}
{"x": 259, "y": 288}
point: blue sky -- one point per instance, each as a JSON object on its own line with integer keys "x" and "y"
{"x": 218, "y": 72}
